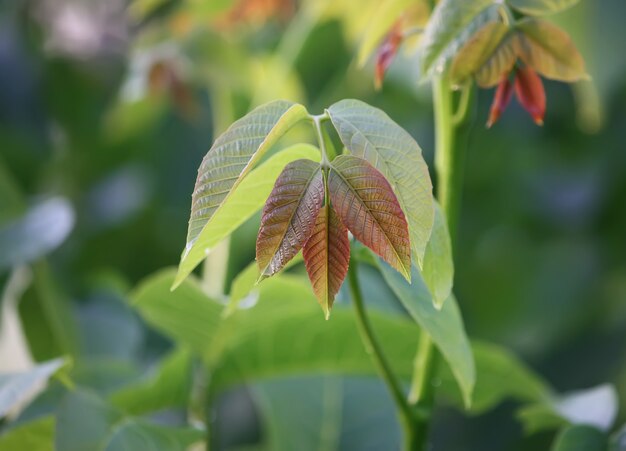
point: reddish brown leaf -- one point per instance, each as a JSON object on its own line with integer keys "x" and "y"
{"x": 367, "y": 205}
{"x": 289, "y": 215}
{"x": 530, "y": 94}
{"x": 501, "y": 99}
{"x": 386, "y": 53}
{"x": 326, "y": 256}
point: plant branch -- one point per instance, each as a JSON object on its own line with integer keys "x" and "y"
{"x": 374, "y": 349}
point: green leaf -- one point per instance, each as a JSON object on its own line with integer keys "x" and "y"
{"x": 282, "y": 335}
{"x": 229, "y": 160}
{"x": 168, "y": 385}
{"x": 451, "y": 24}
{"x": 37, "y": 435}
{"x": 188, "y": 316}
{"x": 244, "y": 202}
{"x": 42, "y": 229}
{"x": 289, "y": 215}
{"x": 476, "y": 51}
{"x": 550, "y": 51}
{"x": 367, "y": 206}
{"x": 541, "y": 7}
{"x": 500, "y": 63}
{"x": 18, "y": 389}
{"x": 438, "y": 268}
{"x": 326, "y": 257}
{"x": 383, "y": 17}
{"x": 86, "y": 423}
{"x": 369, "y": 133}
{"x": 580, "y": 438}
{"x": 540, "y": 417}
{"x": 327, "y": 413}
{"x": 444, "y": 326}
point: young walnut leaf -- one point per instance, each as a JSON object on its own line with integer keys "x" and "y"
{"x": 289, "y": 215}
{"x": 476, "y": 51}
{"x": 369, "y": 133}
{"x": 541, "y": 7}
{"x": 550, "y": 51}
{"x": 499, "y": 64}
{"x": 228, "y": 161}
{"x": 366, "y": 204}
{"x": 326, "y": 256}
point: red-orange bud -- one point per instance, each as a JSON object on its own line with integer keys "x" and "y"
{"x": 501, "y": 99}
{"x": 386, "y": 53}
{"x": 530, "y": 93}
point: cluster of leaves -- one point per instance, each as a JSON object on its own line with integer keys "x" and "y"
{"x": 380, "y": 191}
{"x": 490, "y": 42}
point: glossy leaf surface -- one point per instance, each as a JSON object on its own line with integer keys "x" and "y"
{"x": 229, "y": 160}
{"x": 580, "y": 438}
{"x": 289, "y": 215}
{"x": 369, "y": 133}
{"x": 326, "y": 256}
{"x": 367, "y": 206}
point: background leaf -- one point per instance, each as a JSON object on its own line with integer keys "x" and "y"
{"x": 37, "y": 435}
{"x": 580, "y": 438}
{"x": 369, "y": 133}
{"x": 87, "y": 423}
{"x": 326, "y": 257}
{"x": 367, "y": 206}
{"x": 541, "y": 7}
{"x": 550, "y": 51}
{"x": 43, "y": 228}
{"x": 228, "y": 161}
{"x": 17, "y": 389}
{"x": 289, "y": 215}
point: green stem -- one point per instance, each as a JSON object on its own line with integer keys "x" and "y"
{"x": 375, "y": 350}
{"x": 448, "y": 164}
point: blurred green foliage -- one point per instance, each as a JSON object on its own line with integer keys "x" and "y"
{"x": 105, "y": 115}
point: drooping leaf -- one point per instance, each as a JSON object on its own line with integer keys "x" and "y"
{"x": 539, "y": 417}
{"x": 244, "y": 202}
{"x": 501, "y": 99}
{"x": 289, "y": 215}
{"x": 367, "y": 206}
{"x": 226, "y": 164}
{"x": 499, "y": 64}
{"x": 580, "y": 438}
{"x": 476, "y": 51}
{"x": 444, "y": 326}
{"x": 438, "y": 268}
{"x": 530, "y": 93}
{"x": 326, "y": 256}
{"x": 541, "y": 7}
{"x": 369, "y": 133}
{"x": 17, "y": 389}
{"x": 42, "y": 229}
{"x": 37, "y": 435}
{"x": 451, "y": 24}
{"x": 87, "y": 423}
{"x": 550, "y": 51}
{"x": 383, "y": 17}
